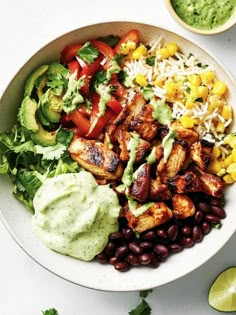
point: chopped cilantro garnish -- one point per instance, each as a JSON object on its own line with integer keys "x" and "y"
{"x": 101, "y": 76}
{"x": 200, "y": 65}
{"x": 110, "y": 40}
{"x": 150, "y": 61}
{"x": 142, "y": 309}
{"x": 51, "y": 311}
{"x": 88, "y": 52}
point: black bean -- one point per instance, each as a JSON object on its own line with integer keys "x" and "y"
{"x": 128, "y": 234}
{"x": 133, "y": 260}
{"x": 148, "y": 236}
{"x": 154, "y": 262}
{"x": 113, "y": 260}
{"x": 145, "y": 258}
{"x": 218, "y": 211}
{"x": 146, "y": 245}
{"x": 102, "y": 258}
{"x": 161, "y": 250}
{"x": 216, "y": 202}
{"x": 175, "y": 248}
{"x": 186, "y": 229}
{"x": 110, "y": 248}
{"x": 206, "y": 228}
{"x": 187, "y": 242}
{"x": 135, "y": 248}
{"x": 197, "y": 234}
{"x": 172, "y": 232}
{"x": 116, "y": 236}
{"x": 121, "y": 252}
{"x": 161, "y": 233}
{"x": 212, "y": 218}
{"x": 122, "y": 266}
{"x": 203, "y": 206}
{"x": 198, "y": 216}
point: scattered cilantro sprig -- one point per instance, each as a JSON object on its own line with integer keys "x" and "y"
{"x": 51, "y": 311}
{"x": 143, "y": 308}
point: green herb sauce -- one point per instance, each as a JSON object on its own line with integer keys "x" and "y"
{"x": 204, "y": 14}
{"x": 77, "y": 216}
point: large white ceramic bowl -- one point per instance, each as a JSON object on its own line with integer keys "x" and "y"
{"x": 92, "y": 274}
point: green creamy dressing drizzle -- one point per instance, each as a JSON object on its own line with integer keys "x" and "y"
{"x": 77, "y": 216}
{"x": 167, "y": 143}
{"x": 204, "y": 14}
{"x": 127, "y": 178}
{"x": 151, "y": 158}
{"x": 133, "y": 206}
{"x": 105, "y": 96}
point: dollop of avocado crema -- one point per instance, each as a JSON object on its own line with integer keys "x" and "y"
{"x": 74, "y": 215}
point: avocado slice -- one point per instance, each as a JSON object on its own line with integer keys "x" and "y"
{"x": 44, "y": 137}
{"x": 51, "y": 106}
{"x": 41, "y": 118}
{"x": 29, "y": 85}
{"x": 26, "y": 114}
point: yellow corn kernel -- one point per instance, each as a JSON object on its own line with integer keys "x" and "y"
{"x": 226, "y": 112}
{"x": 172, "y": 48}
{"x": 131, "y": 45}
{"x": 219, "y": 88}
{"x": 194, "y": 79}
{"x": 222, "y": 171}
{"x": 163, "y": 53}
{"x": 202, "y": 91}
{"x": 220, "y": 127}
{"x": 232, "y": 141}
{"x": 141, "y": 80}
{"x": 228, "y": 138}
{"x": 231, "y": 169}
{"x": 124, "y": 49}
{"x": 215, "y": 101}
{"x": 216, "y": 152}
{"x": 158, "y": 82}
{"x": 234, "y": 154}
{"x": 207, "y": 77}
{"x": 233, "y": 175}
{"x": 228, "y": 179}
{"x": 139, "y": 52}
{"x": 227, "y": 161}
{"x": 187, "y": 122}
{"x": 171, "y": 88}
{"x": 214, "y": 167}
{"x": 189, "y": 103}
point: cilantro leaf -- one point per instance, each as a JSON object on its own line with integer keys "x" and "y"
{"x": 151, "y": 61}
{"x": 110, "y": 40}
{"x": 51, "y": 311}
{"x": 142, "y": 309}
{"x": 51, "y": 152}
{"x": 144, "y": 294}
{"x": 88, "y": 53}
{"x": 64, "y": 137}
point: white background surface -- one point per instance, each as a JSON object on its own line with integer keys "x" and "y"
{"x": 25, "y": 287}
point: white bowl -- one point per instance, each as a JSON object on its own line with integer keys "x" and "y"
{"x": 92, "y": 274}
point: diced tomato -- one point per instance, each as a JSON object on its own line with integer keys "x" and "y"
{"x": 120, "y": 90}
{"x": 81, "y": 122}
{"x": 131, "y": 36}
{"x": 74, "y": 66}
{"x": 115, "y": 105}
{"x": 104, "y": 49}
{"x": 98, "y": 123}
{"x": 69, "y": 52}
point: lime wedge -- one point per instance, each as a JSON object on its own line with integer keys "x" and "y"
{"x": 222, "y": 293}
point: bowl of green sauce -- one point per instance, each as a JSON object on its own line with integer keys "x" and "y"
{"x": 206, "y": 17}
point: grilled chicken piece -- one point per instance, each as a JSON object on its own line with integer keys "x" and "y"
{"x": 174, "y": 163}
{"x": 96, "y": 158}
{"x": 159, "y": 191}
{"x": 187, "y": 134}
{"x": 141, "y": 150}
{"x": 183, "y": 206}
{"x": 188, "y": 182}
{"x": 145, "y": 124}
{"x": 140, "y": 188}
{"x": 200, "y": 153}
{"x": 212, "y": 184}
{"x": 157, "y": 214}
{"x": 123, "y": 120}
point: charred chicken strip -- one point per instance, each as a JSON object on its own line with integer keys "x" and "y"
{"x": 159, "y": 191}
{"x": 183, "y": 206}
{"x": 145, "y": 124}
{"x": 140, "y": 188}
{"x": 174, "y": 163}
{"x": 157, "y": 214}
{"x": 200, "y": 153}
{"x": 141, "y": 151}
{"x": 186, "y": 134}
{"x": 96, "y": 158}
{"x": 188, "y": 182}
{"x": 212, "y": 184}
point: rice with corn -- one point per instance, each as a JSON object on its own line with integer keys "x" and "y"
{"x": 198, "y": 98}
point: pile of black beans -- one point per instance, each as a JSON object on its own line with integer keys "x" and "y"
{"x": 127, "y": 249}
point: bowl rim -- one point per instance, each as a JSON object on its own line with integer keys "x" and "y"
{"x": 19, "y": 241}
{"x": 214, "y": 31}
